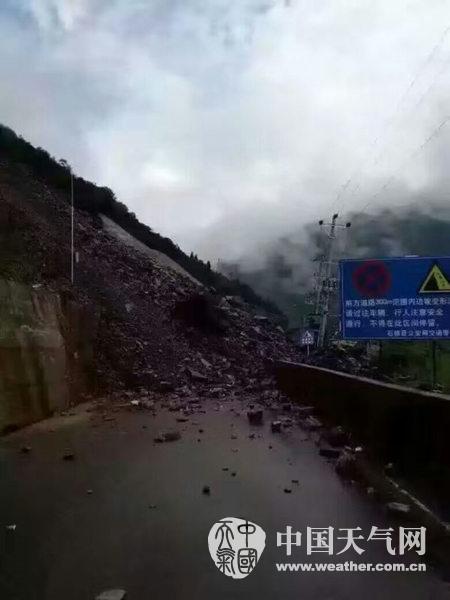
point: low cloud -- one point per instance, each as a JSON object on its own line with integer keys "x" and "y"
{"x": 228, "y": 124}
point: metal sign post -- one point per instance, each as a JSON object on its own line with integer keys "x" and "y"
{"x": 307, "y": 339}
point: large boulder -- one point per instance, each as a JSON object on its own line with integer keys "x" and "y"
{"x": 202, "y": 311}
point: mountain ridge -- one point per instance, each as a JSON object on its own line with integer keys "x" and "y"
{"x": 97, "y": 200}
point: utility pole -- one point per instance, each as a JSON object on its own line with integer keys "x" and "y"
{"x": 326, "y": 283}
{"x": 318, "y": 286}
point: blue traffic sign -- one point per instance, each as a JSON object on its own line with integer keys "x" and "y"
{"x": 395, "y": 298}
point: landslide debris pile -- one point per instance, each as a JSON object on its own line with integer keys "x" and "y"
{"x": 348, "y": 358}
{"x": 151, "y": 326}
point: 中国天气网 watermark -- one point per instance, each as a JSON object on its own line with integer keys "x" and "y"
{"x": 236, "y": 545}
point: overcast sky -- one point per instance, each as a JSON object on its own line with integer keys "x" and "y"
{"x": 227, "y": 123}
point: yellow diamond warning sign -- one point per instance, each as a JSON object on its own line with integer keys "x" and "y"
{"x": 435, "y": 282}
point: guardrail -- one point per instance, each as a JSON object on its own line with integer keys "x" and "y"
{"x": 398, "y": 423}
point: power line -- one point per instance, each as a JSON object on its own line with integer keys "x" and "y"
{"x": 414, "y": 108}
{"x": 412, "y": 155}
{"x": 424, "y": 65}
{"x": 432, "y": 84}
{"x": 393, "y": 116}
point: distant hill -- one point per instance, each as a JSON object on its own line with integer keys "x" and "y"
{"x": 287, "y": 274}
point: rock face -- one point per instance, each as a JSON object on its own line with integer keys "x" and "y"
{"x": 155, "y": 328}
{"x": 38, "y": 358}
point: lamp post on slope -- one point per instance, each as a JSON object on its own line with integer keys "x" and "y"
{"x": 72, "y": 245}
{"x": 66, "y": 165}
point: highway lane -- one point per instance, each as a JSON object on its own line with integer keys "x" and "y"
{"x": 129, "y": 513}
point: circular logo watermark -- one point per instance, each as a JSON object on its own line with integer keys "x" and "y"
{"x": 236, "y": 545}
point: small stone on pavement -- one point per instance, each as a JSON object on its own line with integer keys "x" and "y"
{"x": 112, "y": 595}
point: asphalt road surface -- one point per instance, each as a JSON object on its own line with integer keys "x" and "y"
{"x": 129, "y": 513}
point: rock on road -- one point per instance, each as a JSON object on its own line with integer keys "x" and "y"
{"x": 128, "y": 513}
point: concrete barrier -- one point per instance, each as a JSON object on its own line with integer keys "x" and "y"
{"x": 400, "y": 424}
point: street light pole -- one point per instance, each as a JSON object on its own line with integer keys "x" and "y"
{"x": 72, "y": 246}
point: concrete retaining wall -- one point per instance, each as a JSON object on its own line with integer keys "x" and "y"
{"x": 43, "y": 353}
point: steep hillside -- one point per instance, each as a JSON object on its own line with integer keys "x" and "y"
{"x": 151, "y": 326}
{"x": 158, "y": 257}
{"x": 101, "y": 201}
